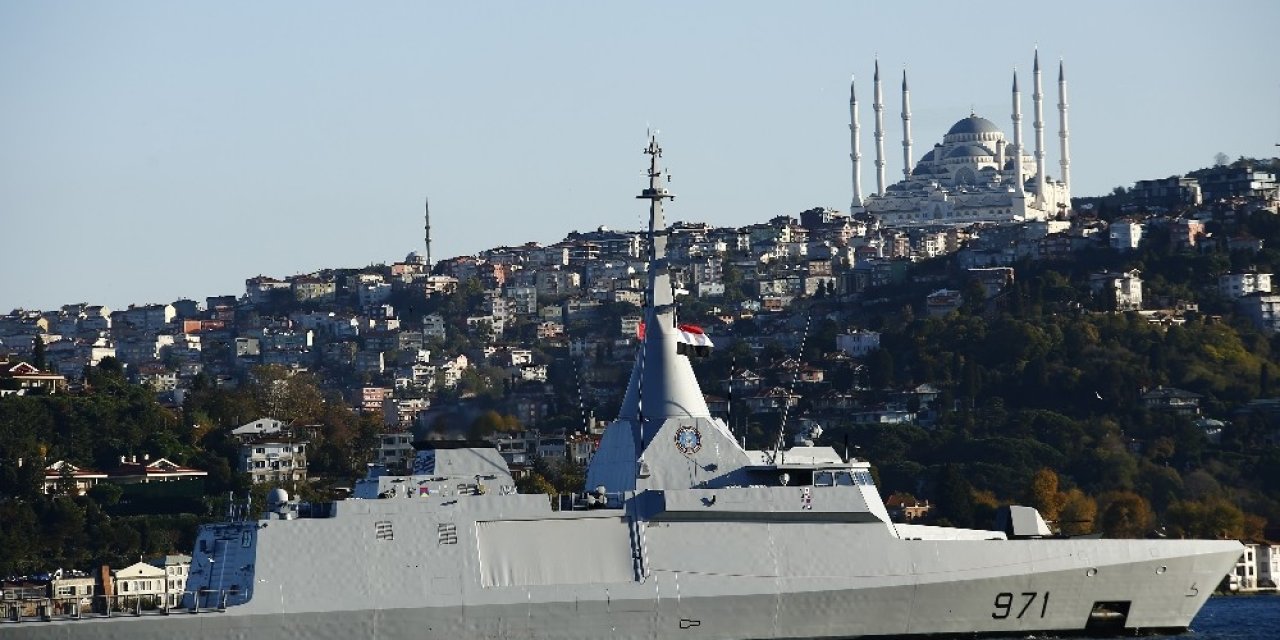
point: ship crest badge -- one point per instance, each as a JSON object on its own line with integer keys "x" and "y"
{"x": 688, "y": 440}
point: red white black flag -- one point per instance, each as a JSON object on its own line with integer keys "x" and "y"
{"x": 692, "y": 341}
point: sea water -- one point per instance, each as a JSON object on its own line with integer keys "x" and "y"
{"x": 1236, "y": 618}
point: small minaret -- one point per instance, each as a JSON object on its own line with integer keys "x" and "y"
{"x": 1037, "y": 98}
{"x": 1065, "y": 161}
{"x": 426, "y": 205}
{"x": 906, "y": 128}
{"x": 1018, "y": 179}
{"x": 856, "y": 147}
{"x": 878, "y": 106}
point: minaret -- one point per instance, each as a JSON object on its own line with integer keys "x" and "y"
{"x": 1000, "y": 145}
{"x": 906, "y": 128}
{"x": 1037, "y": 98}
{"x": 856, "y": 150}
{"x": 426, "y": 204}
{"x": 1018, "y": 180}
{"x": 878, "y": 106}
{"x": 1065, "y": 161}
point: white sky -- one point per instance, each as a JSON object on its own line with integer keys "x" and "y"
{"x": 152, "y": 150}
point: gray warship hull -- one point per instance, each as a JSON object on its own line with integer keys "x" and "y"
{"x": 517, "y": 570}
{"x": 682, "y": 533}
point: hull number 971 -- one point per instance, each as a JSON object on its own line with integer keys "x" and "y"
{"x": 1019, "y": 605}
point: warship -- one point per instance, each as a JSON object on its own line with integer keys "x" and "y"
{"x": 681, "y": 532}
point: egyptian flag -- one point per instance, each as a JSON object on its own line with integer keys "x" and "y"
{"x": 691, "y": 341}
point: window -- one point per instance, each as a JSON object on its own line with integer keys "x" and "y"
{"x": 260, "y": 450}
{"x": 447, "y": 533}
{"x": 823, "y": 479}
{"x": 382, "y": 530}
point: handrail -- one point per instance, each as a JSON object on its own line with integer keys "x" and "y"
{"x": 88, "y": 607}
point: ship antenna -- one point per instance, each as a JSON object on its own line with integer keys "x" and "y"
{"x": 582, "y": 398}
{"x": 786, "y": 403}
{"x": 733, "y": 366}
{"x": 655, "y": 193}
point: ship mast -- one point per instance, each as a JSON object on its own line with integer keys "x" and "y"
{"x": 659, "y": 297}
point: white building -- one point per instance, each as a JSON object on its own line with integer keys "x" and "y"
{"x": 1123, "y": 289}
{"x": 257, "y": 428}
{"x": 858, "y": 343}
{"x": 1268, "y": 561}
{"x": 974, "y": 175}
{"x": 260, "y": 289}
{"x": 151, "y": 317}
{"x": 176, "y": 569}
{"x": 1125, "y": 235}
{"x": 394, "y": 449}
{"x": 524, "y": 300}
{"x": 140, "y": 584}
{"x": 1263, "y": 309}
{"x": 373, "y": 293}
{"x": 1239, "y": 285}
{"x": 276, "y": 461}
{"x": 62, "y": 476}
{"x": 433, "y": 327}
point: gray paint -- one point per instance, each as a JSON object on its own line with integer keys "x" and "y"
{"x": 702, "y": 540}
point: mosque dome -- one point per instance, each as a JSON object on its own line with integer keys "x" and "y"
{"x": 415, "y": 258}
{"x": 968, "y": 151}
{"x": 973, "y": 125}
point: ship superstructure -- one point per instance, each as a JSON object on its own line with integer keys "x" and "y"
{"x": 681, "y": 532}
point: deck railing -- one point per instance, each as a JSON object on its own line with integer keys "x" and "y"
{"x": 30, "y": 610}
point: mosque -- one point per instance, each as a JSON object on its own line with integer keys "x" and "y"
{"x": 974, "y": 175}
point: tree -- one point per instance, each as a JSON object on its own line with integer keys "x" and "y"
{"x": 491, "y": 422}
{"x": 1078, "y": 513}
{"x": 955, "y": 497}
{"x": 880, "y": 369}
{"x": 1124, "y": 514}
{"x": 1213, "y": 518}
{"x": 37, "y": 353}
{"x": 535, "y": 483}
{"x": 1044, "y": 494}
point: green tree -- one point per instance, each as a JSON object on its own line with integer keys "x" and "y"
{"x": 880, "y": 374}
{"x": 37, "y": 353}
{"x": 955, "y": 497}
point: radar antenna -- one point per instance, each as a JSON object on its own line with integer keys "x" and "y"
{"x": 786, "y": 402}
